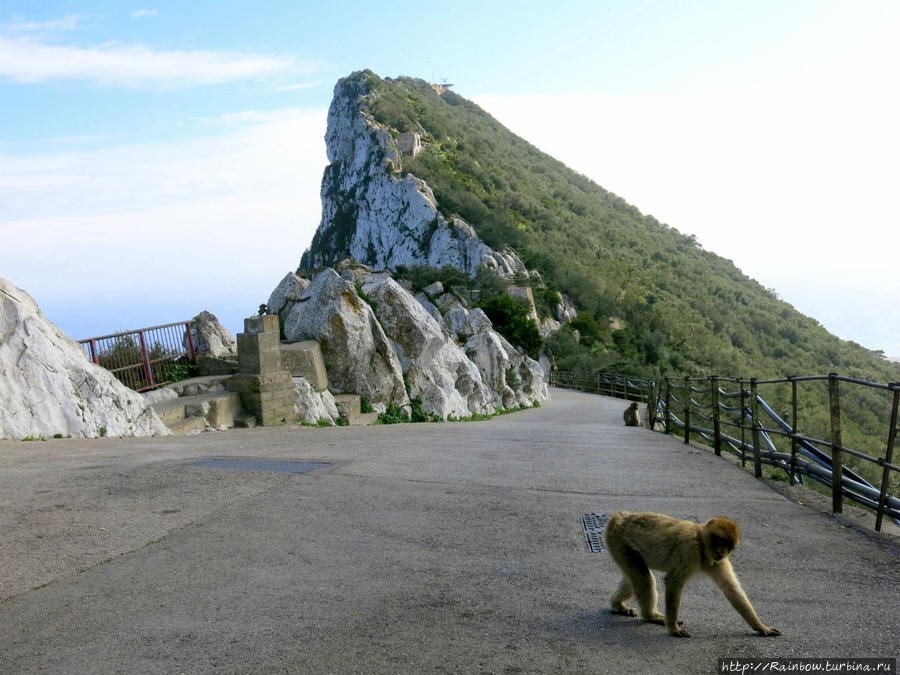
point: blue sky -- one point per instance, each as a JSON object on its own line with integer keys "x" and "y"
{"x": 164, "y": 158}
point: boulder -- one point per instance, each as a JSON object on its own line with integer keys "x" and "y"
{"x": 287, "y": 294}
{"x": 515, "y": 379}
{"x": 311, "y": 405}
{"x": 211, "y": 337}
{"x": 465, "y": 323}
{"x": 565, "y": 310}
{"x": 437, "y": 370}
{"x": 48, "y": 385}
{"x": 361, "y": 359}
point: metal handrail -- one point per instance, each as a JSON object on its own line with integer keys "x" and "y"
{"x": 140, "y": 358}
{"x": 827, "y": 469}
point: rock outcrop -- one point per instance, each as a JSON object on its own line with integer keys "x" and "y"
{"x": 287, "y": 294}
{"x": 358, "y": 353}
{"x": 399, "y": 350}
{"x": 436, "y": 368}
{"x": 211, "y": 337}
{"x": 49, "y": 387}
{"x": 374, "y": 215}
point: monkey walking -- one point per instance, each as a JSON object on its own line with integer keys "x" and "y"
{"x": 632, "y": 415}
{"x": 639, "y": 542}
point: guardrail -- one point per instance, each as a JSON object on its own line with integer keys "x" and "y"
{"x": 608, "y": 384}
{"x": 146, "y": 358}
{"x": 701, "y": 406}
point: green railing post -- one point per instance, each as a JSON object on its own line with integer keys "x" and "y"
{"x": 837, "y": 472}
{"x": 687, "y": 410}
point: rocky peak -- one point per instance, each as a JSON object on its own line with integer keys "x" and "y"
{"x": 372, "y": 213}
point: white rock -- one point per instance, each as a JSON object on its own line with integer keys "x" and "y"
{"x": 466, "y": 322}
{"x": 437, "y": 370}
{"x": 565, "y": 310}
{"x": 159, "y": 395}
{"x": 515, "y": 380}
{"x": 210, "y": 336}
{"x": 361, "y": 359}
{"x": 312, "y": 405}
{"x": 434, "y": 290}
{"x": 377, "y": 217}
{"x": 48, "y": 385}
{"x": 287, "y": 293}
{"x": 429, "y": 306}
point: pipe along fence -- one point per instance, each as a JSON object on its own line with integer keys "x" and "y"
{"x": 730, "y": 413}
{"x": 146, "y": 358}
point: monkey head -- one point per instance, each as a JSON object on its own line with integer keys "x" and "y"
{"x": 720, "y": 536}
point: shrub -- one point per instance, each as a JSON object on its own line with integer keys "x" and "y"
{"x": 510, "y": 318}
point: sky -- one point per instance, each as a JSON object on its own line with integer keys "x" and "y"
{"x": 161, "y": 159}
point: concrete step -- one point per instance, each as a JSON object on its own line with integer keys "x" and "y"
{"x": 187, "y": 425}
{"x": 218, "y": 408}
{"x": 348, "y": 405}
{"x": 364, "y": 419}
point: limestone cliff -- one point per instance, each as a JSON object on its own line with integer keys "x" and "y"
{"x": 377, "y": 217}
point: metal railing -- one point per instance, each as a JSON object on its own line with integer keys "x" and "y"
{"x": 708, "y": 408}
{"x": 608, "y": 384}
{"x": 145, "y": 358}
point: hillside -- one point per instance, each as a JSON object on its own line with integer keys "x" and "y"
{"x": 651, "y": 299}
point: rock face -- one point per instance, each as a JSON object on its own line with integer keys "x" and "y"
{"x": 436, "y": 368}
{"x": 377, "y": 217}
{"x": 361, "y": 358}
{"x": 399, "y": 345}
{"x": 48, "y": 385}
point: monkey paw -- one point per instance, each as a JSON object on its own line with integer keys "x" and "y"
{"x": 769, "y": 632}
{"x": 679, "y": 632}
{"x": 624, "y": 610}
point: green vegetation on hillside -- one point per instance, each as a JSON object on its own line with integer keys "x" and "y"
{"x": 659, "y": 302}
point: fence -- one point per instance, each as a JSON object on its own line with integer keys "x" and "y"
{"x": 608, "y": 384}
{"x": 146, "y": 358}
{"x": 705, "y": 408}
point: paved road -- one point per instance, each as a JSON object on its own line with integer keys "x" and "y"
{"x": 430, "y": 548}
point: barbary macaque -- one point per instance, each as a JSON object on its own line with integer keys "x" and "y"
{"x": 632, "y": 415}
{"x": 640, "y": 542}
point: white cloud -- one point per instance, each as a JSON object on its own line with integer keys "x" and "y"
{"x": 293, "y": 87}
{"x": 69, "y": 22}
{"x": 26, "y": 60}
{"x": 215, "y": 220}
{"x": 144, "y": 12}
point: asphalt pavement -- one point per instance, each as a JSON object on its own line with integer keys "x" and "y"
{"x": 426, "y": 548}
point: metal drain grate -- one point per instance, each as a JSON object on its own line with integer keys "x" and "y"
{"x": 259, "y": 465}
{"x": 595, "y": 525}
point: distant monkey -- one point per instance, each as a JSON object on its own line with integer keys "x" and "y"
{"x": 639, "y": 542}
{"x": 632, "y": 416}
